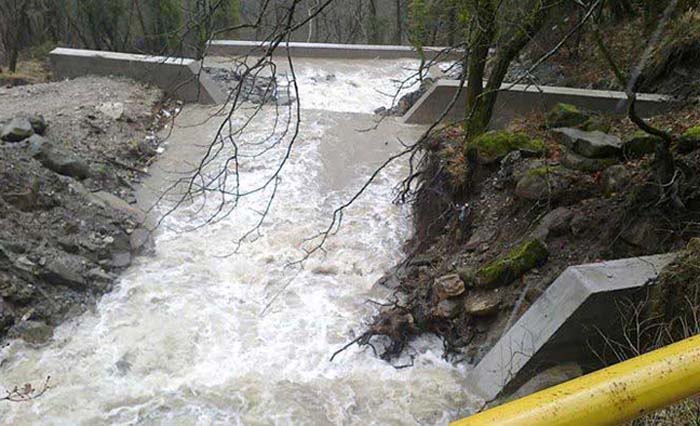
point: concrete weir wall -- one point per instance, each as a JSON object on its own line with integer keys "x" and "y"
{"x": 179, "y": 77}
{"x": 328, "y": 50}
{"x": 570, "y": 314}
{"x": 520, "y": 100}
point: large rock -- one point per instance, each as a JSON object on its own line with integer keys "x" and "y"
{"x": 57, "y": 159}
{"x": 690, "y": 140}
{"x": 573, "y": 161}
{"x": 616, "y": 179}
{"x": 554, "y": 223}
{"x": 65, "y": 269}
{"x": 448, "y": 286}
{"x": 517, "y": 262}
{"x": 38, "y": 123}
{"x": 552, "y": 182}
{"x": 482, "y": 303}
{"x": 494, "y": 145}
{"x": 594, "y": 144}
{"x": 107, "y": 200}
{"x": 640, "y": 144}
{"x": 565, "y": 115}
{"x": 548, "y": 378}
{"x": 33, "y": 332}
{"x": 17, "y": 130}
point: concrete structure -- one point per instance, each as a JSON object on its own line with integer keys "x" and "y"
{"x": 568, "y": 316}
{"x": 178, "y": 77}
{"x": 328, "y": 50}
{"x": 517, "y": 100}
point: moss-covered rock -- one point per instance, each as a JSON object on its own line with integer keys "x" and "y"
{"x": 494, "y": 145}
{"x": 565, "y": 115}
{"x": 517, "y": 262}
{"x": 690, "y": 140}
{"x": 641, "y": 143}
{"x": 598, "y": 123}
{"x": 540, "y": 183}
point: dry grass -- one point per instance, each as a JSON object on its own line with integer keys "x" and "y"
{"x": 28, "y": 72}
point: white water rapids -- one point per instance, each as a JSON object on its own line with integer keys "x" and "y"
{"x": 190, "y": 338}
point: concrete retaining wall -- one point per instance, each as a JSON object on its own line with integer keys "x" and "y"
{"x": 177, "y": 77}
{"x": 521, "y": 100}
{"x": 568, "y": 316}
{"x": 326, "y": 50}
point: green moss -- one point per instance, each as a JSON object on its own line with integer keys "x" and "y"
{"x": 690, "y": 140}
{"x": 692, "y": 133}
{"x": 495, "y": 145}
{"x": 565, "y": 115}
{"x": 596, "y": 123}
{"x": 545, "y": 171}
{"x": 640, "y": 144}
{"x": 518, "y": 261}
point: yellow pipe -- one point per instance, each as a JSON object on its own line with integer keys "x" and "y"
{"x": 611, "y": 396}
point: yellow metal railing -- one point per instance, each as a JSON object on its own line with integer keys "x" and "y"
{"x": 611, "y": 396}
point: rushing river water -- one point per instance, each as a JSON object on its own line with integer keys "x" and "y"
{"x": 191, "y": 337}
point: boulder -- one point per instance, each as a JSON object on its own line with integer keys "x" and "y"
{"x": 616, "y": 179}
{"x": 690, "y": 140}
{"x": 480, "y": 237}
{"x": 573, "y": 161}
{"x": 546, "y": 182}
{"x": 554, "y": 223}
{"x": 33, "y": 332}
{"x": 17, "y": 130}
{"x": 548, "y": 378}
{"x": 482, "y": 303}
{"x": 113, "y": 110}
{"x": 565, "y": 115}
{"x": 38, "y": 123}
{"x": 120, "y": 259}
{"x": 140, "y": 240}
{"x": 516, "y": 263}
{"x": 447, "y": 308}
{"x": 494, "y": 145}
{"x": 448, "y": 286}
{"x": 107, "y": 200}
{"x": 640, "y": 144}
{"x": 593, "y": 144}
{"x": 65, "y": 269}
{"x": 596, "y": 122}
{"x": 57, "y": 159}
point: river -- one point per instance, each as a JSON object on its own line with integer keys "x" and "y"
{"x": 197, "y": 334}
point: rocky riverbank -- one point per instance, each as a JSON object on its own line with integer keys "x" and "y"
{"x": 497, "y": 222}
{"x": 71, "y": 155}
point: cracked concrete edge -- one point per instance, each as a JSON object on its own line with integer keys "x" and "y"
{"x": 575, "y": 295}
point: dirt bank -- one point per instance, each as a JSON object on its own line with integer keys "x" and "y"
{"x": 492, "y": 234}
{"x": 68, "y": 225}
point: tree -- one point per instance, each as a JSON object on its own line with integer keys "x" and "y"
{"x": 14, "y": 23}
{"x": 491, "y": 24}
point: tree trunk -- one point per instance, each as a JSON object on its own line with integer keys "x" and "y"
{"x": 398, "y": 35}
{"x": 483, "y": 34}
